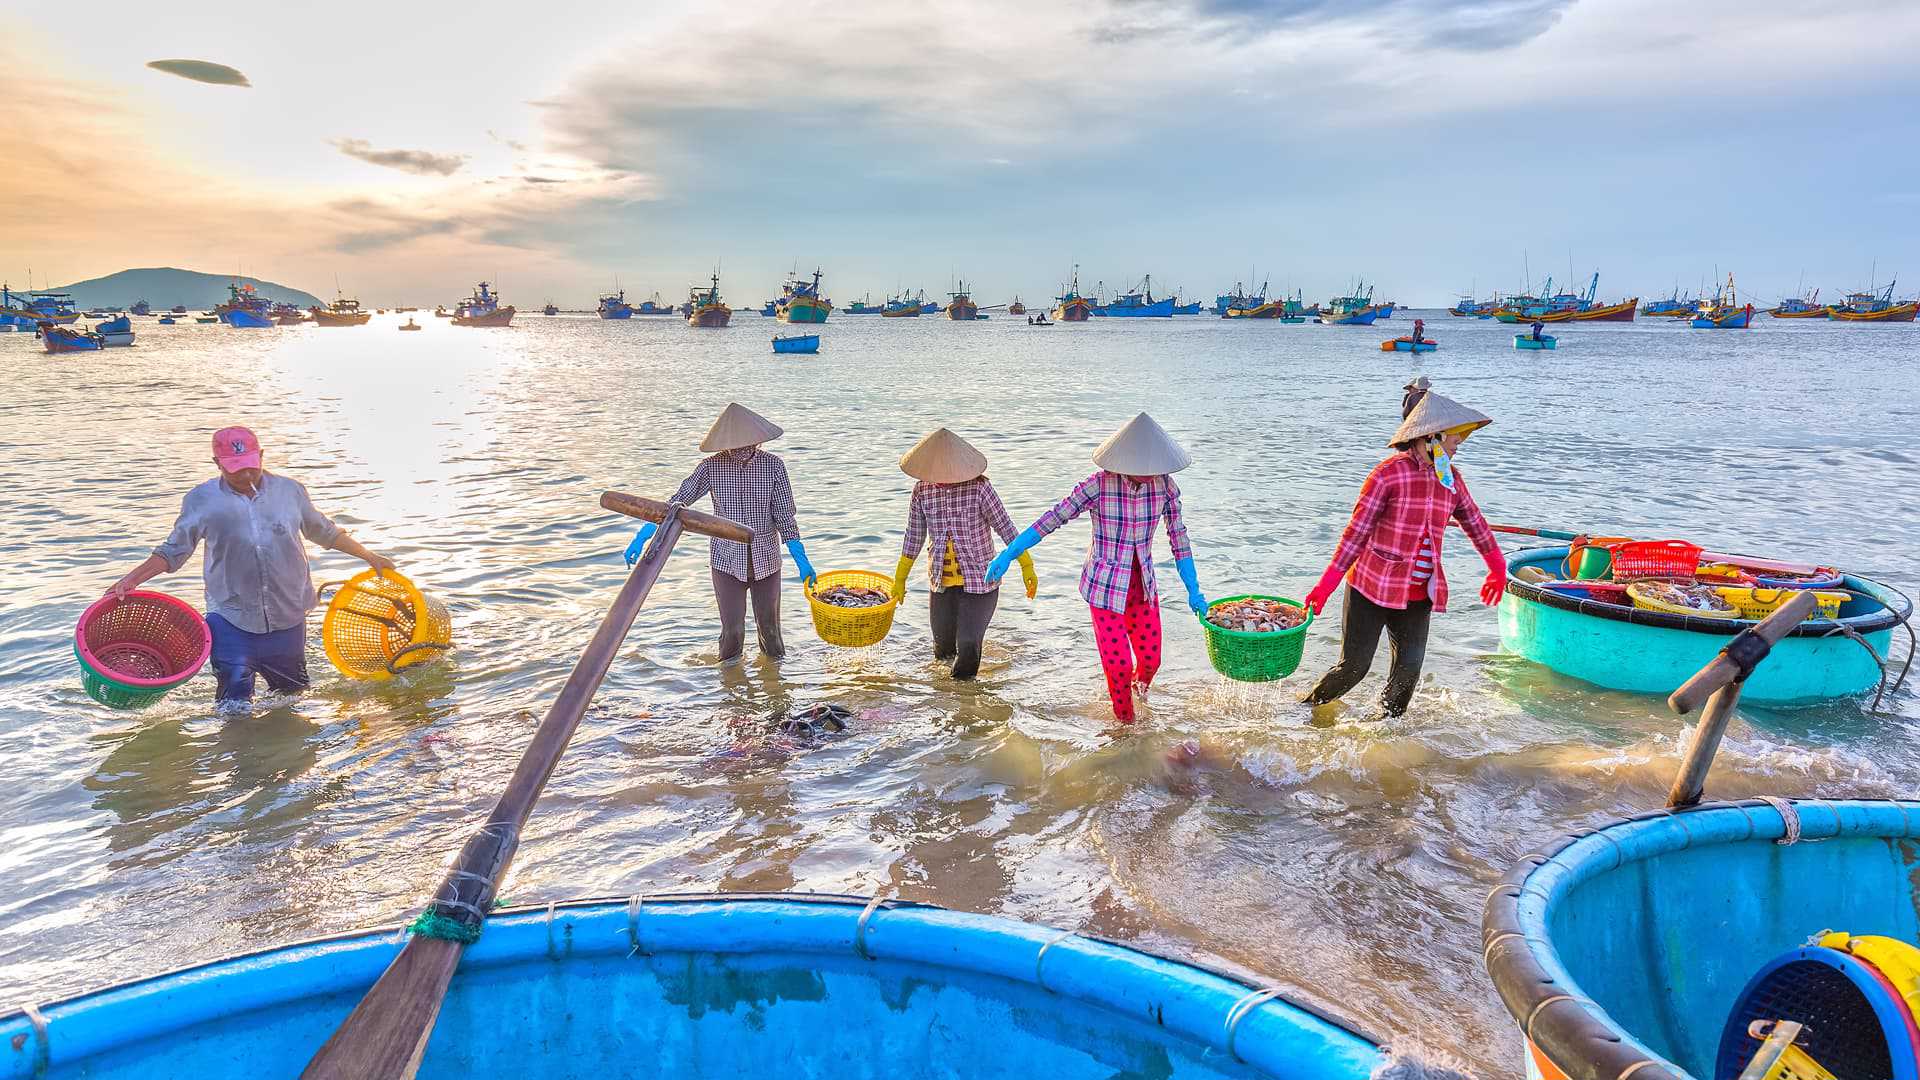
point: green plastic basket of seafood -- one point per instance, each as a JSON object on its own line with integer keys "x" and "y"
{"x": 1249, "y": 639}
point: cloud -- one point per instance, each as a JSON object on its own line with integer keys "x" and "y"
{"x": 205, "y": 71}
{"x": 417, "y": 162}
{"x": 1464, "y": 25}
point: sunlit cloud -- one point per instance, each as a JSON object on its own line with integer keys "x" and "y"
{"x": 205, "y": 71}
{"x": 417, "y": 162}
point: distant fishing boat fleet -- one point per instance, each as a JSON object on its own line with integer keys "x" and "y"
{"x": 1721, "y": 310}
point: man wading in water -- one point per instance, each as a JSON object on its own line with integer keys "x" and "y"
{"x": 258, "y": 586}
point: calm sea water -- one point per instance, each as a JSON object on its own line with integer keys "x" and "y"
{"x": 1344, "y": 860}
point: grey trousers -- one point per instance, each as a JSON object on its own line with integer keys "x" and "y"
{"x": 959, "y": 621}
{"x": 730, "y": 595}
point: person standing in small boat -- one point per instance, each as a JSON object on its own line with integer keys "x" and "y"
{"x": 1131, "y": 494}
{"x": 954, "y": 505}
{"x": 258, "y": 585}
{"x": 1536, "y": 330}
{"x": 1419, "y": 331}
{"x": 1392, "y": 546}
{"x": 750, "y": 486}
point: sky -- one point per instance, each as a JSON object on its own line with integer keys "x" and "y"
{"x": 406, "y": 151}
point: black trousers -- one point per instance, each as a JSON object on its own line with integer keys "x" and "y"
{"x": 959, "y": 620}
{"x": 730, "y": 596}
{"x": 1362, "y": 621}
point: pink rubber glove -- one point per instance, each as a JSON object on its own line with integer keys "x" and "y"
{"x": 1322, "y": 592}
{"x": 1496, "y": 585}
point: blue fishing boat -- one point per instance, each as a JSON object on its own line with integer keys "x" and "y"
{"x": 770, "y": 309}
{"x": 1138, "y": 304}
{"x": 802, "y": 302}
{"x": 165, "y": 320}
{"x": 866, "y": 306}
{"x": 931, "y": 307}
{"x": 1191, "y": 307}
{"x": 796, "y": 343}
{"x": 1872, "y": 306}
{"x": 1651, "y": 652}
{"x": 1673, "y": 307}
{"x": 28, "y": 310}
{"x": 1724, "y": 311}
{"x": 1239, "y": 300}
{"x": 1357, "y": 309}
{"x": 1642, "y": 948}
{"x": 718, "y": 987}
{"x": 141, "y": 307}
{"x": 1386, "y": 309}
{"x": 613, "y": 306}
{"x": 115, "y": 332}
{"x": 1528, "y": 341}
{"x": 652, "y": 305}
{"x": 1468, "y": 307}
{"x": 905, "y": 307}
{"x": 1804, "y": 306}
{"x": 65, "y": 339}
{"x": 244, "y": 309}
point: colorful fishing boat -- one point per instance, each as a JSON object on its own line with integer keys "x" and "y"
{"x": 1673, "y": 307}
{"x": 1070, "y": 306}
{"x": 652, "y": 306}
{"x": 1724, "y": 311}
{"x": 716, "y": 987}
{"x": 343, "y": 311}
{"x": 244, "y": 309}
{"x": 1356, "y": 309}
{"x": 768, "y": 310}
{"x": 1017, "y": 307}
{"x": 1641, "y": 949}
{"x": 1239, "y": 300}
{"x": 482, "y": 309}
{"x": 796, "y": 343}
{"x": 801, "y": 301}
{"x": 960, "y": 305}
{"x": 1807, "y": 306}
{"x": 1528, "y": 341}
{"x": 1620, "y": 312}
{"x": 30, "y": 309}
{"x": 613, "y": 306}
{"x": 1266, "y": 309}
{"x": 866, "y": 306}
{"x": 1650, "y": 652}
{"x": 1138, "y": 304}
{"x": 66, "y": 339}
{"x": 1871, "y": 306}
{"x": 704, "y": 307}
{"x": 904, "y": 307}
{"x": 115, "y": 332}
{"x": 1468, "y": 307}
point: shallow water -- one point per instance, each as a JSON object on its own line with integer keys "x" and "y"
{"x": 1340, "y": 857}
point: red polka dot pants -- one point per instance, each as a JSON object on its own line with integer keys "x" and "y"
{"x": 1129, "y": 646}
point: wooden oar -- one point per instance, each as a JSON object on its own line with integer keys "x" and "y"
{"x": 384, "y": 1036}
{"x": 1745, "y": 561}
{"x": 1718, "y": 684}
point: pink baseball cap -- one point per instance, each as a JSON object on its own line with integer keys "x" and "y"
{"x": 235, "y": 448}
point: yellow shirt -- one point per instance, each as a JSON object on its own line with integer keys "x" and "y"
{"x": 950, "y": 576}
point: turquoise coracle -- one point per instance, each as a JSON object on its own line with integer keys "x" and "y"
{"x": 1653, "y": 653}
{"x": 716, "y": 986}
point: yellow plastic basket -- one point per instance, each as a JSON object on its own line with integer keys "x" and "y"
{"x": 1643, "y": 599}
{"x": 852, "y": 628}
{"x": 377, "y": 625}
{"x": 1758, "y": 603}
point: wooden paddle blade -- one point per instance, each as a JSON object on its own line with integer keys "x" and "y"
{"x": 384, "y": 1036}
{"x": 692, "y": 520}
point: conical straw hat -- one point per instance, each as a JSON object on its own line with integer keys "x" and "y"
{"x": 943, "y": 458}
{"x": 738, "y": 427}
{"x": 1434, "y": 414}
{"x": 1141, "y": 448}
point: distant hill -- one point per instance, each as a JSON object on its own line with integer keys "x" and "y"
{"x": 164, "y": 286}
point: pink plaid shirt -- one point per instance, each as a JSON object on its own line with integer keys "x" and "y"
{"x": 751, "y": 487}
{"x": 1402, "y": 504}
{"x": 1124, "y": 515}
{"x": 961, "y": 513}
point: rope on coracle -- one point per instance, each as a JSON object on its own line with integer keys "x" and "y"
{"x": 42, "y": 1041}
{"x": 1789, "y": 818}
{"x": 1239, "y": 1012}
{"x": 860, "y": 928}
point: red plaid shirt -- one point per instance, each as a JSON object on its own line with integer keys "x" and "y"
{"x": 960, "y": 513}
{"x": 1124, "y": 515}
{"x": 1401, "y": 503}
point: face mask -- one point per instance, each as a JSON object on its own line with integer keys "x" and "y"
{"x": 1442, "y": 464}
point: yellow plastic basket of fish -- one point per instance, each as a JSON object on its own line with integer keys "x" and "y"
{"x": 1758, "y": 603}
{"x": 851, "y": 608}
{"x": 376, "y": 625}
{"x": 1675, "y": 598}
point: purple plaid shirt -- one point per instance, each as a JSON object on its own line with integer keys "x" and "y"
{"x": 960, "y": 513}
{"x": 750, "y": 487}
{"x": 1124, "y": 514}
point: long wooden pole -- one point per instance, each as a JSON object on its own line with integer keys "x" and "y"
{"x": 1719, "y": 684}
{"x": 386, "y": 1034}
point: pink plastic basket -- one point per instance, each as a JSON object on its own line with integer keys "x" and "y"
{"x": 148, "y": 641}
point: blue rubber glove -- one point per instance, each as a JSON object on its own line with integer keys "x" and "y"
{"x": 1192, "y": 578}
{"x": 639, "y": 545}
{"x": 997, "y": 569}
{"x": 800, "y": 563}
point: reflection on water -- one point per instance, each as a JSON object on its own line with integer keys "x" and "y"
{"x": 1337, "y": 855}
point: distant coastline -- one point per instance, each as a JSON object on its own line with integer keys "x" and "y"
{"x": 166, "y": 286}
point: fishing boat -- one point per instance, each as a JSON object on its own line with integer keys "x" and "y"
{"x": 1408, "y": 344}
{"x": 342, "y": 312}
{"x": 165, "y": 320}
{"x": 904, "y": 307}
{"x": 1357, "y": 309}
{"x": 1468, "y": 307}
{"x": 244, "y": 310}
{"x": 614, "y": 306}
{"x": 863, "y": 306}
{"x": 1266, "y": 309}
{"x": 1724, "y": 311}
{"x": 440, "y": 312}
{"x": 549, "y": 308}
{"x": 704, "y": 307}
{"x": 1138, "y": 304}
{"x": 801, "y": 302}
{"x": 1871, "y": 306}
{"x": 1070, "y": 305}
{"x": 1017, "y": 307}
{"x": 66, "y": 339}
{"x": 409, "y": 325}
{"x": 178, "y": 309}
{"x": 114, "y": 332}
{"x": 1806, "y": 306}
{"x": 1651, "y": 652}
{"x": 960, "y": 305}
{"x": 141, "y": 307}
{"x": 206, "y": 318}
{"x": 1672, "y": 307}
{"x": 719, "y": 986}
{"x": 482, "y": 309}
{"x": 30, "y": 309}
{"x": 796, "y": 343}
{"x": 652, "y": 306}
{"x": 1528, "y": 341}
{"x": 1644, "y": 948}
{"x": 1191, "y": 307}
{"x": 1239, "y": 300}
{"x": 1386, "y": 309}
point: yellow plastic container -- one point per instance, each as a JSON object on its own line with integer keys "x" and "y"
{"x": 852, "y": 628}
{"x": 1643, "y": 598}
{"x": 1758, "y": 603}
{"x": 377, "y": 625}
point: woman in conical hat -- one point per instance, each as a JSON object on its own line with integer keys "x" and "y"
{"x": 953, "y": 507}
{"x": 1392, "y": 548}
{"x": 1128, "y": 497}
{"x": 750, "y": 486}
